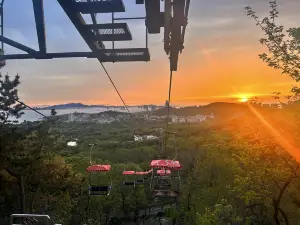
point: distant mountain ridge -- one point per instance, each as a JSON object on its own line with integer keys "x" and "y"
{"x": 70, "y": 106}
{"x": 78, "y": 105}
{"x": 217, "y": 108}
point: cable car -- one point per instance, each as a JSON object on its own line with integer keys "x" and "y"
{"x": 128, "y": 174}
{"x": 165, "y": 179}
{"x": 99, "y": 189}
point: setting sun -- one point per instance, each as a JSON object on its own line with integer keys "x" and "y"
{"x": 243, "y": 99}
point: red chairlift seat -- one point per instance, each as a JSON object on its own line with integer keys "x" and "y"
{"x": 103, "y": 189}
{"x": 100, "y": 190}
{"x": 99, "y": 168}
{"x": 165, "y": 164}
{"x": 161, "y": 181}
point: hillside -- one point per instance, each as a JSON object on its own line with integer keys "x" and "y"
{"x": 218, "y": 108}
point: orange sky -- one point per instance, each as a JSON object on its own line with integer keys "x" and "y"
{"x": 219, "y": 63}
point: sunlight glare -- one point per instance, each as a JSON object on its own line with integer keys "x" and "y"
{"x": 243, "y": 99}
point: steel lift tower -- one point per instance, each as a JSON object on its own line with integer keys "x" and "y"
{"x": 95, "y": 34}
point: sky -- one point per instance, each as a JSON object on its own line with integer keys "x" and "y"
{"x": 219, "y": 63}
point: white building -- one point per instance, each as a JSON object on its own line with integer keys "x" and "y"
{"x": 175, "y": 119}
{"x": 71, "y": 117}
{"x": 137, "y": 138}
{"x": 143, "y": 138}
{"x": 151, "y": 137}
{"x": 192, "y": 119}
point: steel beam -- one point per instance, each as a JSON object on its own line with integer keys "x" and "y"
{"x": 107, "y": 6}
{"x": 79, "y": 23}
{"x": 18, "y": 46}
{"x": 105, "y": 55}
{"x": 50, "y": 55}
{"x": 40, "y": 23}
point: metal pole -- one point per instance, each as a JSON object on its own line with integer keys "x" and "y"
{"x": 146, "y": 33}
{"x": 113, "y": 33}
{"x": 2, "y": 25}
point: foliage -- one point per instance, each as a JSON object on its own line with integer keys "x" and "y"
{"x": 8, "y": 99}
{"x": 283, "y": 45}
{"x": 53, "y": 112}
{"x": 235, "y": 171}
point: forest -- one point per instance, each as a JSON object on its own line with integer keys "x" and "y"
{"x": 239, "y": 171}
{"x": 242, "y": 170}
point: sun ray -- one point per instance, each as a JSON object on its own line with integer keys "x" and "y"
{"x": 290, "y": 148}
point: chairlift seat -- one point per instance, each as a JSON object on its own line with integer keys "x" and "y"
{"x": 140, "y": 181}
{"x": 162, "y": 186}
{"x": 99, "y": 190}
{"x": 129, "y": 183}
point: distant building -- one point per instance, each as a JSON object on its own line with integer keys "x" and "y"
{"x": 151, "y": 137}
{"x": 144, "y": 138}
{"x": 192, "y": 119}
{"x": 272, "y": 105}
{"x": 175, "y": 119}
{"x": 71, "y": 117}
{"x": 137, "y": 138}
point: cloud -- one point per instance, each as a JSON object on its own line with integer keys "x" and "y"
{"x": 56, "y": 78}
{"x": 210, "y": 23}
{"x": 208, "y": 51}
{"x": 20, "y": 37}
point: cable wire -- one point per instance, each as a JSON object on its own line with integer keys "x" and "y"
{"x": 168, "y": 112}
{"x": 22, "y": 103}
{"x": 116, "y": 89}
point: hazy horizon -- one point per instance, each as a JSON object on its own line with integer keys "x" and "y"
{"x": 173, "y": 105}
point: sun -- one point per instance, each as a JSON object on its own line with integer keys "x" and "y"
{"x": 243, "y": 99}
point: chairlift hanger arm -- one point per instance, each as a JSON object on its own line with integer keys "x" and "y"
{"x": 173, "y": 19}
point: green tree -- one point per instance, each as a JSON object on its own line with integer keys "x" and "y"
{"x": 283, "y": 44}
{"x": 9, "y": 107}
{"x": 53, "y": 112}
